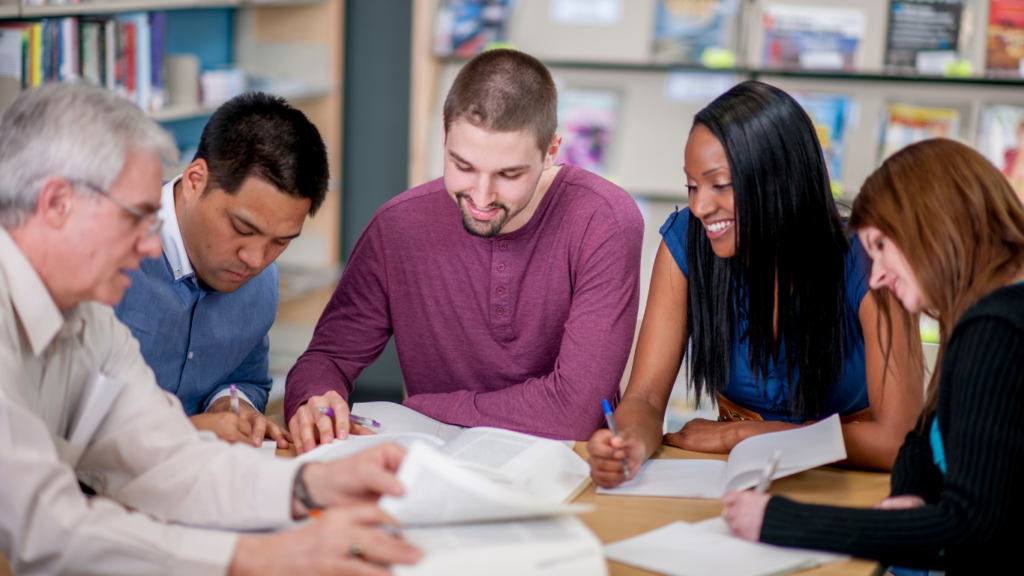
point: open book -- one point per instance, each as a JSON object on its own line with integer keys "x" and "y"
{"x": 466, "y": 475}
{"x": 802, "y": 449}
{"x": 709, "y": 548}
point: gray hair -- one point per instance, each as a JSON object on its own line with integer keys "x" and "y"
{"x": 76, "y": 131}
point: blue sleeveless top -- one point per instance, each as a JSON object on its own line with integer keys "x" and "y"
{"x": 771, "y": 399}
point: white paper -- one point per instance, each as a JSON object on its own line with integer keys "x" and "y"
{"x": 355, "y": 444}
{"x": 10, "y": 53}
{"x": 802, "y": 449}
{"x": 934, "y": 62}
{"x": 681, "y": 549}
{"x": 718, "y": 526}
{"x": 696, "y": 87}
{"x": 674, "y": 479}
{"x": 98, "y": 396}
{"x": 561, "y": 546}
{"x": 586, "y": 12}
{"x": 441, "y": 490}
{"x": 547, "y": 469}
{"x": 395, "y": 418}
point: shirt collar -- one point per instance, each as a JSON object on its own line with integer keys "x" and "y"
{"x": 40, "y": 317}
{"x": 170, "y": 234}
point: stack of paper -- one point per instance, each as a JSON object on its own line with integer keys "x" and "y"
{"x": 802, "y": 449}
{"x": 709, "y": 549}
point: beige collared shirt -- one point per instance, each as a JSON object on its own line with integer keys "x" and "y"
{"x": 145, "y": 454}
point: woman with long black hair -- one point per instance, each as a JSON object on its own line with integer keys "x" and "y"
{"x": 761, "y": 285}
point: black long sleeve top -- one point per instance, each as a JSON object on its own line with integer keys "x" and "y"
{"x": 969, "y": 524}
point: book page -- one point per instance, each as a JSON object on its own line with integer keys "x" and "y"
{"x": 562, "y": 546}
{"x": 674, "y": 479}
{"x": 547, "y": 469}
{"x": 802, "y": 449}
{"x": 397, "y": 418}
{"x": 355, "y": 444}
{"x": 681, "y": 549}
{"x": 442, "y": 490}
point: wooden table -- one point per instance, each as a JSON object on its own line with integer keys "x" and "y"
{"x": 620, "y": 517}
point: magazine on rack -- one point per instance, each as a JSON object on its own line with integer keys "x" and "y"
{"x": 1005, "y": 39}
{"x": 1000, "y": 140}
{"x": 906, "y": 124}
{"x": 831, "y": 114}
{"x": 586, "y": 121}
{"x": 465, "y": 27}
{"x": 924, "y": 36}
{"x": 684, "y": 29}
{"x": 812, "y": 37}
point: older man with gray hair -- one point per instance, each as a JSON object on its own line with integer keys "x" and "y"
{"x": 80, "y": 180}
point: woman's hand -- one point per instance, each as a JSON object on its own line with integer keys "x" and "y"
{"x": 744, "y": 513}
{"x": 606, "y": 453}
{"x": 901, "y": 502}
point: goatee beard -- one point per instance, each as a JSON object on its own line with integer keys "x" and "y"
{"x": 488, "y": 229}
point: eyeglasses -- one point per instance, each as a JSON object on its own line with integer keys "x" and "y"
{"x": 155, "y": 222}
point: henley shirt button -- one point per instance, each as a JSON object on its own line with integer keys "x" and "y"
{"x": 501, "y": 267}
{"x": 500, "y": 311}
{"x": 501, "y": 291}
{"x": 190, "y": 353}
{"x": 503, "y": 246}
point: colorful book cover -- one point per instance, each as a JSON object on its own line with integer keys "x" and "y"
{"x": 1005, "y": 39}
{"x": 812, "y": 37}
{"x": 1001, "y": 140}
{"x": 921, "y": 26}
{"x": 830, "y": 114}
{"x": 906, "y": 124}
{"x": 465, "y": 27}
{"x": 684, "y": 29}
{"x": 586, "y": 122}
{"x": 158, "y": 42}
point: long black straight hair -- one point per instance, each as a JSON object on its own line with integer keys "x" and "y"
{"x": 789, "y": 240}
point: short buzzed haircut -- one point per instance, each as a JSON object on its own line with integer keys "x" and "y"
{"x": 505, "y": 90}
{"x": 260, "y": 135}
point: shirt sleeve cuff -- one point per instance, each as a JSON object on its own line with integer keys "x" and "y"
{"x": 227, "y": 392}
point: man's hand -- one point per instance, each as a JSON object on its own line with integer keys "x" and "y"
{"x": 606, "y": 453}
{"x": 744, "y": 513}
{"x": 901, "y": 502}
{"x": 309, "y": 427}
{"x": 225, "y": 425}
{"x": 342, "y": 541}
{"x": 357, "y": 479}
{"x": 260, "y": 426}
{"x": 708, "y": 436}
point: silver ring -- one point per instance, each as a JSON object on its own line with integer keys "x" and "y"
{"x": 356, "y": 550}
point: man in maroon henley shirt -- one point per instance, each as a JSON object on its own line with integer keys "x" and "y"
{"x": 511, "y": 285}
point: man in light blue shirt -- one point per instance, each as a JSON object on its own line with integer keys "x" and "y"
{"x": 201, "y": 311}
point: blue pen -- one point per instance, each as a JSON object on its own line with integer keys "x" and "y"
{"x": 615, "y": 430}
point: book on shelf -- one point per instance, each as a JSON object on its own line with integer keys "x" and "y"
{"x": 124, "y": 53}
{"x": 905, "y": 124}
{"x": 924, "y": 36}
{"x": 831, "y": 115}
{"x": 684, "y": 29}
{"x": 1005, "y": 53}
{"x": 1001, "y": 140}
{"x": 464, "y": 27}
{"x": 586, "y": 122}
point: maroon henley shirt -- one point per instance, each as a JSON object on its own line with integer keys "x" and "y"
{"x": 526, "y": 331}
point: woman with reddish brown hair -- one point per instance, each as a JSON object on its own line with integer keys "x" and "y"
{"x": 945, "y": 233}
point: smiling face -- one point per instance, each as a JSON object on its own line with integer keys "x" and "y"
{"x": 709, "y": 184}
{"x": 231, "y": 238}
{"x": 889, "y": 269}
{"x": 493, "y": 176}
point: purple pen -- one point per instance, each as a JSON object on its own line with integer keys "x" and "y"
{"x": 361, "y": 420}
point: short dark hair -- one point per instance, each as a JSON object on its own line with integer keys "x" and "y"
{"x": 260, "y": 135}
{"x": 505, "y": 90}
{"x": 788, "y": 234}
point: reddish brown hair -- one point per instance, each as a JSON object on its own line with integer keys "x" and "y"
{"x": 505, "y": 90}
{"x": 957, "y": 221}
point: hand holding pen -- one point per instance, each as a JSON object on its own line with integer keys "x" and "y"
{"x": 366, "y": 422}
{"x": 609, "y": 418}
{"x": 744, "y": 511}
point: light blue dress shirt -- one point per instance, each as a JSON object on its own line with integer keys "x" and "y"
{"x": 199, "y": 342}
